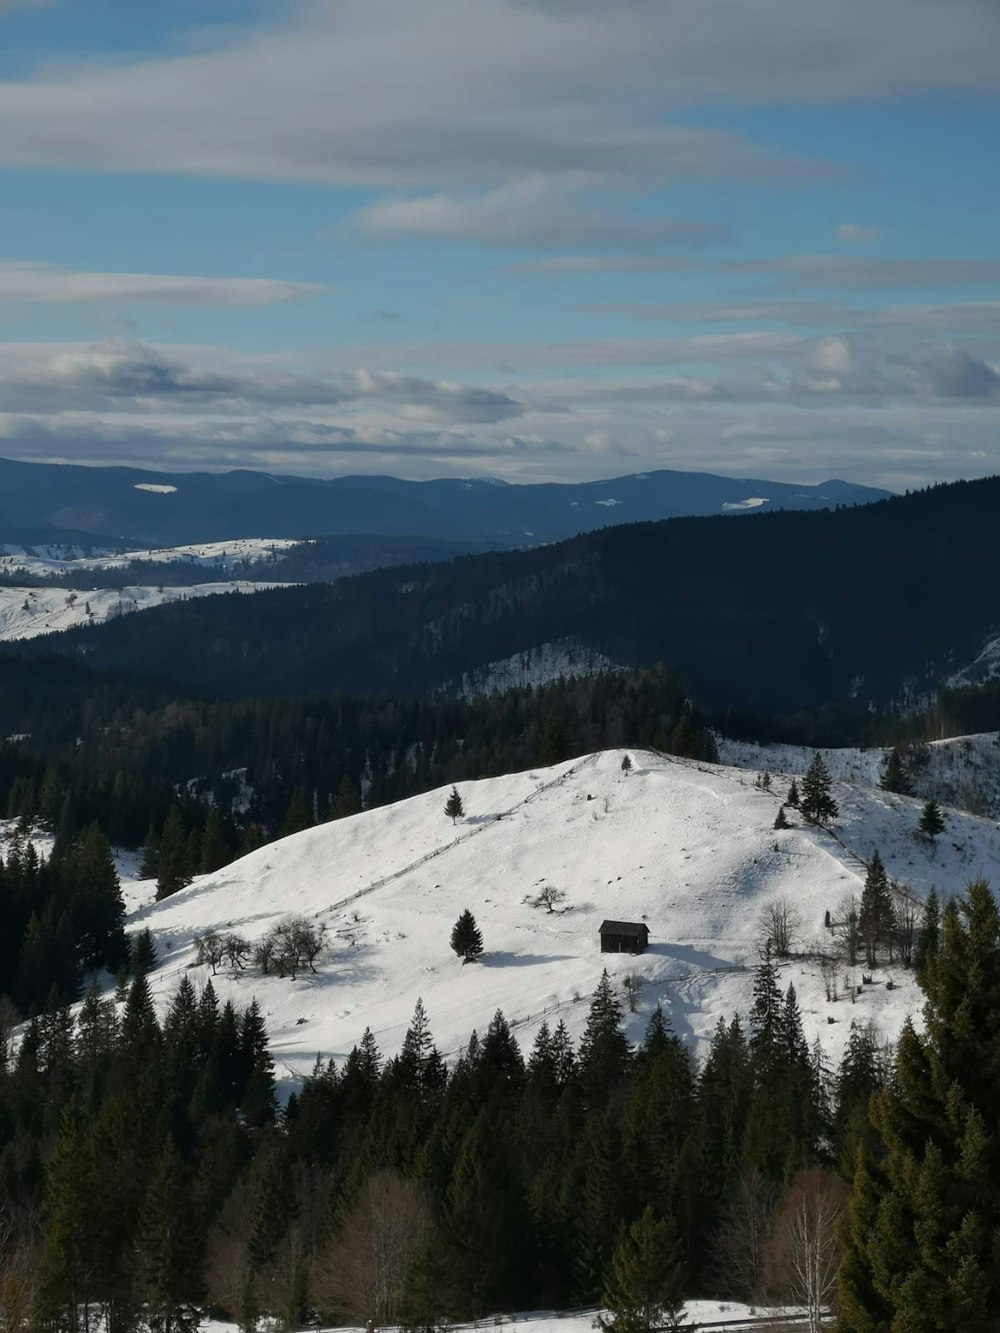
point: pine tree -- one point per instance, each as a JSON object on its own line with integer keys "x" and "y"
{"x": 553, "y": 747}
{"x": 646, "y": 1288}
{"x": 300, "y": 814}
{"x": 781, "y": 819}
{"x": 626, "y": 766}
{"x": 929, "y": 937}
{"x": 150, "y": 865}
{"x": 173, "y": 871}
{"x": 816, "y": 802}
{"x": 931, "y": 820}
{"x": 213, "y": 852}
{"x": 454, "y": 808}
{"x": 346, "y": 802}
{"x": 920, "y": 1248}
{"x": 895, "y": 776}
{"x": 466, "y": 938}
{"x": 792, "y": 798}
{"x": 876, "y": 919}
{"x": 170, "y": 1250}
{"x": 604, "y": 1048}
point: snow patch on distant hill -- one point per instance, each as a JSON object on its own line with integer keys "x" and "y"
{"x": 219, "y": 557}
{"x": 154, "y": 488}
{"x": 534, "y": 666}
{"x": 963, "y": 771}
{"x": 25, "y": 613}
{"x": 688, "y": 848}
{"x": 754, "y": 502}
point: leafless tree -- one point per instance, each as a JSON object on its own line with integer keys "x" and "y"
{"x": 238, "y": 950}
{"x": 632, "y": 986}
{"x": 802, "y": 1253}
{"x": 361, "y": 1274}
{"x": 263, "y": 953}
{"x": 847, "y": 929}
{"x": 907, "y": 914}
{"x": 211, "y": 949}
{"x": 779, "y": 924}
{"x": 290, "y": 946}
{"x": 741, "y": 1240}
{"x": 549, "y": 897}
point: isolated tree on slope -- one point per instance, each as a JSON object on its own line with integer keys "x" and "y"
{"x": 626, "y": 766}
{"x": 793, "y": 798}
{"x": 816, "y": 803}
{"x": 895, "y": 776}
{"x": 466, "y": 938}
{"x": 454, "y": 808}
{"x": 931, "y": 820}
{"x": 876, "y": 918}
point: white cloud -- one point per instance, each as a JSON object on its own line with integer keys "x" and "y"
{"x": 791, "y": 272}
{"x": 859, "y": 232}
{"x": 534, "y": 212}
{"x": 392, "y": 93}
{"x": 47, "y": 283}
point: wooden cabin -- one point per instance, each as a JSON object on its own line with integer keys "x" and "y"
{"x": 624, "y": 936}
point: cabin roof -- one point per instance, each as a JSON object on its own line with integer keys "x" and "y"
{"x": 623, "y": 928}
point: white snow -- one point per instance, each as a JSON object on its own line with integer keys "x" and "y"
{"x": 534, "y": 666}
{"x": 26, "y": 613}
{"x": 689, "y": 848}
{"x": 219, "y": 556}
{"x": 982, "y": 669}
{"x": 154, "y": 488}
{"x": 963, "y": 771}
{"x": 753, "y": 502}
{"x": 609, "y": 504}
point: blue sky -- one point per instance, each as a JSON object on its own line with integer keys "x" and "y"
{"x": 534, "y": 239}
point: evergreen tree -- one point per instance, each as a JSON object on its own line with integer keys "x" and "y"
{"x": 346, "y": 802}
{"x": 816, "y": 802}
{"x": 466, "y": 938}
{"x": 876, "y": 919}
{"x": 604, "y": 1049}
{"x": 781, "y": 819}
{"x": 554, "y": 745}
{"x": 929, "y": 936}
{"x": 895, "y": 775}
{"x": 170, "y": 1250}
{"x": 920, "y": 1239}
{"x": 149, "y": 867}
{"x": 172, "y": 859}
{"x": 626, "y": 766}
{"x": 300, "y": 813}
{"x": 931, "y": 820}
{"x": 66, "y": 1253}
{"x": 454, "y": 808}
{"x": 142, "y": 953}
{"x": 792, "y": 798}
{"x": 213, "y": 852}
{"x": 646, "y": 1287}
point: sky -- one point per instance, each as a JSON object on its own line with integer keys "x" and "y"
{"x": 528, "y": 239}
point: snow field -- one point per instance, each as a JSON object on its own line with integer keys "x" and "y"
{"x": 689, "y": 848}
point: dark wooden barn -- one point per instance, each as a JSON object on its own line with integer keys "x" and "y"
{"x": 624, "y": 936}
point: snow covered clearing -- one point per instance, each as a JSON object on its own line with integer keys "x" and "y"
{"x": 688, "y": 848}
{"x": 963, "y": 771}
{"x": 535, "y": 666}
{"x": 135, "y": 891}
{"x": 26, "y": 613}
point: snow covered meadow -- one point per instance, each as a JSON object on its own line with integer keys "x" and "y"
{"x": 688, "y": 848}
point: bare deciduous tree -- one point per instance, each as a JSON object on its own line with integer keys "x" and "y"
{"x": 741, "y": 1240}
{"x": 802, "y": 1253}
{"x": 907, "y": 916}
{"x": 361, "y": 1274}
{"x": 779, "y": 924}
{"x": 632, "y": 985}
{"x": 211, "y": 949}
{"x": 549, "y": 897}
{"x": 847, "y": 929}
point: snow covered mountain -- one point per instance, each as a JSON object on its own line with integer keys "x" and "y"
{"x": 688, "y": 848}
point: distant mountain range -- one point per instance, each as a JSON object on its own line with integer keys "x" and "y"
{"x": 47, "y": 502}
{"x": 876, "y": 604}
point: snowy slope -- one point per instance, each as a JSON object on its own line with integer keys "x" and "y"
{"x": 689, "y": 848}
{"x": 26, "y": 613}
{"x": 219, "y": 557}
{"x": 963, "y": 771}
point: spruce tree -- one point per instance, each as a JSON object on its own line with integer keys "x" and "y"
{"x": 895, "y": 776}
{"x": 931, "y": 820}
{"x": 553, "y": 747}
{"x": 454, "y": 808}
{"x": 466, "y": 938}
{"x": 213, "y": 852}
{"x": 300, "y": 814}
{"x": 781, "y": 819}
{"x": 346, "y": 801}
{"x": 920, "y": 1238}
{"x": 604, "y": 1049}
{"x": 173, "y": 863}
{"x": 646, "y": 1287}
{"x": 170, "y": 1248}
{"x": 792, "y": 798}
{"x": 929, "y": 936}
{"x": 877, "y": 918}
{"x": 626, "y": 766}
{"x": 816, "y": 802}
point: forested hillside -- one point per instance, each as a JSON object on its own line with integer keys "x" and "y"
{"x": 878, "y": 603}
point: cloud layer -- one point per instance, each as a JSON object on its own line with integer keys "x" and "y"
{"x": 50, "y": 284}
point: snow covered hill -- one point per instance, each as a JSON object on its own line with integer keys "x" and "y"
{"x": 688, "y": 848}
{"x": 217, "y": 557}
{"x": 963, "y": 771}
{"x": 26, "y": 613}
